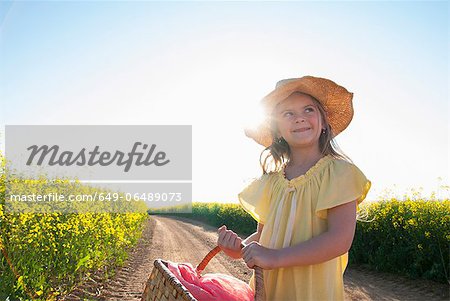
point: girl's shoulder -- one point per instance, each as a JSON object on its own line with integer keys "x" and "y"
{"x": 345, "y": 173}
{"x": 338, "y": 165}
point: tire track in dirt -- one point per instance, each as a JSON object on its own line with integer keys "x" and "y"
{"x": 362, "y": 282}
{"x": 184, "y": 240}
{"x": 189, "y": 242}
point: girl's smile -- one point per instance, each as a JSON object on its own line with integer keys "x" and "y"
{"x": 301, "y": 129}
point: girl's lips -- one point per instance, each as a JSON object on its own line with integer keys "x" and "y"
{"x": 301, "y": 130}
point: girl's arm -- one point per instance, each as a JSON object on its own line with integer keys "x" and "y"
{"x": 255, "y": 236}
{"x": 231, "y": 243}
{"x": 334, "y": 242}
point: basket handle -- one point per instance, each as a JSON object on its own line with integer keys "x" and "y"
{"x": 259, "y": 278}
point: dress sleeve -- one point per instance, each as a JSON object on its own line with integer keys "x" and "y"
{"x": 255, "y": 198}
{"x": 343, "y": 182}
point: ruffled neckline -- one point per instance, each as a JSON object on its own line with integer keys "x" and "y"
{"x": 314, "y": 169}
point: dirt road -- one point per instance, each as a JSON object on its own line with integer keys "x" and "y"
{"x": 182, "y": 240}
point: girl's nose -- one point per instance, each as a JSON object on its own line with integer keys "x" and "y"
{"x": 299, "y": 119}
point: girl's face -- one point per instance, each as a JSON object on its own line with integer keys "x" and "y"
{"x": 299, "y": 121}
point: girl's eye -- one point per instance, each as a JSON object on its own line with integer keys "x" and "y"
{"x": 309, "y": 110}
{"x": 287, "y": 114}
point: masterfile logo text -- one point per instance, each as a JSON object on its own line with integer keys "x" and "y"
{"x": 101, "y": 152}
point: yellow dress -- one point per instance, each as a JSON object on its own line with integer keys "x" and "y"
{"x": 295, "y": 211}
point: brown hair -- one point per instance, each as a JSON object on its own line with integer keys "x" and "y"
{"x": 278, "y": 153}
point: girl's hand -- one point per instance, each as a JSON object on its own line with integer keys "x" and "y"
{"x": 256, "y": 255}
{"x": 229, "y": 242}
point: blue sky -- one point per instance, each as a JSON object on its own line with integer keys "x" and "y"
{"x": 209, "y": 63}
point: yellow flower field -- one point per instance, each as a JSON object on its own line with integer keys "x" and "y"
{"x": 44, "y": 255}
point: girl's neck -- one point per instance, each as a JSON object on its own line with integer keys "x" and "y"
{"x": 303, "y": 158}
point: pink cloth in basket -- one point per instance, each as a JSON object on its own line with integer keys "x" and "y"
{"x": 211, "y": 287}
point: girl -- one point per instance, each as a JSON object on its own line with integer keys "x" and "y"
{"x": 305, "y": 202}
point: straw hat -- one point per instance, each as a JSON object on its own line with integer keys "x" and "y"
{"x": 336, "y": 100}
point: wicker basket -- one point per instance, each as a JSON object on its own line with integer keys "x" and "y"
{"x": 162, "y": 285}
